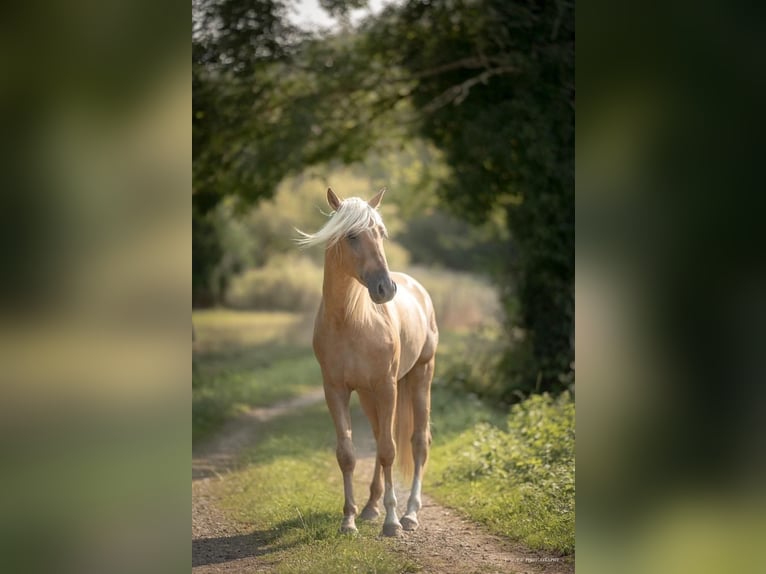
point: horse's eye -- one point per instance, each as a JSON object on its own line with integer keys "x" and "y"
{"x": 353, "y": 237}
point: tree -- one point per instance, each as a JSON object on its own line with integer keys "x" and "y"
{"x": 235, "y": 45}
{"x": 492, "y": 83}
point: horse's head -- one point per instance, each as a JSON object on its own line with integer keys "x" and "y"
{"x": 361, "y": 249}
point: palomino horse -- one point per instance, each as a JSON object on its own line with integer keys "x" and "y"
{"x": 383, "y": 347}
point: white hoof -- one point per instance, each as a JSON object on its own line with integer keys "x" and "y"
{"x": 348, "y": 526}
{"x": 410, "y": 523}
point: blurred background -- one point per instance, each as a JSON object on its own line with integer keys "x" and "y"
{"x": 670, "y": 287}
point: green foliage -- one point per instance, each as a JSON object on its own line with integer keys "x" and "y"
{"x": 536, "y": 447}
{"x": 413, "y": 170}
{"x": 238, "y": 151}
{"x": 206, "y": 252}
{"x": 437, "y": 237}
{"x": 235, "y": 47}
{"x": 517, "y": 477}
{"x": 462, "y": 301}
{"x": 290, "y": 283}
{"x": 454, "y": 411}
{"x": 494, "y": 88}
{"x": 341, "y": 8}
{"x": 471, "y": 365}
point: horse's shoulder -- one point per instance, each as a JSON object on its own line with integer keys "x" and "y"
{"x": 416, "y": 290}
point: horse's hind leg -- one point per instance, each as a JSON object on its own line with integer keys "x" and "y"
{"x": 337, "y": 403}
{"x": 420, "y": 380}
{"x": 370, "y": 510}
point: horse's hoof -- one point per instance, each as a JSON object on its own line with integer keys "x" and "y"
{"x": 369, "y": 513}
{"x": 348, "y": 529}
{"x": 392, "y": 530}
{"x": 409, "y": 524}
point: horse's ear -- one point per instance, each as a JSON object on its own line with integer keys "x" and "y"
{"x": 375, "y": 201}
{"x": 332, "y": 199}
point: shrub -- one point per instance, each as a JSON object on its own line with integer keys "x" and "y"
{"x": 461, "y": 300}
{"x": 517, "y": 477}
{"x": 290, "y": 282}
{"x": 470, "y": 364}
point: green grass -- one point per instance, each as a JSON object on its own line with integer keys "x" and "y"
{"x": 242, "y": 360}
{"x": 514, "y": 472}
{"x": 515, "y": 476}
{"x": 223, "y": 332}
{"x": 290, "y": 492}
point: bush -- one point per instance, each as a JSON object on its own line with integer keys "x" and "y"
{"x": 517, "y": 477}
{"x": 436, "y": 237}
{"x": 470, "y": 364}
{"x": 461, "y": 300}
{"x": 290, "y": 283}
{"x": 536, "y": 448}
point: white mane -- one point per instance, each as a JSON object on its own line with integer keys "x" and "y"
{"x": 353, "y": 216}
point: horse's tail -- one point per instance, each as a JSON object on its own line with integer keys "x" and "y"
{"x": 404, "y": 427}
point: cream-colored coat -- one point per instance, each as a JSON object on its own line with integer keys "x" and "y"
{"x": 385, "y": 352}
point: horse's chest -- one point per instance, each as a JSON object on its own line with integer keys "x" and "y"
{"x": 357, "y": 362}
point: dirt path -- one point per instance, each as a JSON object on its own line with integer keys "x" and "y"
{"x": 445, "y": 543}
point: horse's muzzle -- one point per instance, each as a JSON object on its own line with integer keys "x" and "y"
{"x": 382, "y": 289}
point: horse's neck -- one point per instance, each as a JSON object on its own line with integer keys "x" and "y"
{"x": 344, "y": 299}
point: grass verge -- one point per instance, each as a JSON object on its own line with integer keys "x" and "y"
{"x": 243, "y": 360}
{"x": 290, "y": 492}
{"x": 514, "y": 473}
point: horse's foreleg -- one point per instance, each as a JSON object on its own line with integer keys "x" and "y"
{"x": 370, "y": 510}
{"x": 420, "y": 379}
{"x": 386, "y": 454}
{"x": 337, "y": 402}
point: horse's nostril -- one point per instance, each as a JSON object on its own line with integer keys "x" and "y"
{"x": 381, "y": 290}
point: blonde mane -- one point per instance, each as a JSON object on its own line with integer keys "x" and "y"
{"x": 353, "y": 216}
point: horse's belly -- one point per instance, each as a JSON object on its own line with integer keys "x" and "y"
{"x": 413, "y": 329}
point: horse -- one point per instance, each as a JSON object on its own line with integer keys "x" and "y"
{"x": 375, "y": 333}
